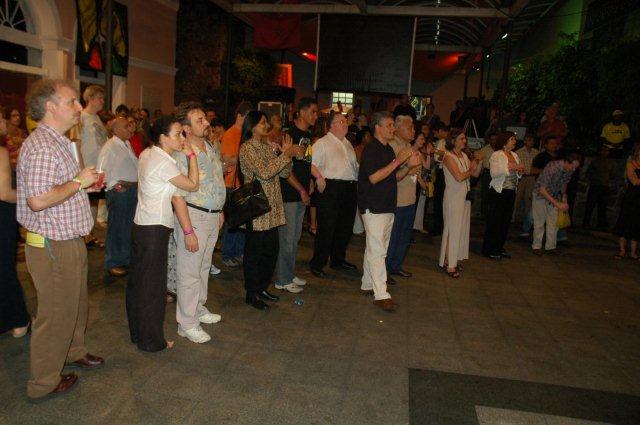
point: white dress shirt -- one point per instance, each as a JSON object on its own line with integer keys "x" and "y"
{"x": 335, "y": 158}
{"x": 155, "y": 169}
{"x": 93, "y": 136}
{"x": 118, "y": 162}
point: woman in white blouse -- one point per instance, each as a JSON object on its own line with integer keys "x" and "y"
{"x": 456, "y": 205}
{"x": 158, "y": 178}
{"x": 505, "y": 170}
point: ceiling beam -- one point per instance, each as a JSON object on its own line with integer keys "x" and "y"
{"x": 426, "y": 47}
{"x": 362, "y": 5}
{"x": 353, "y": 9}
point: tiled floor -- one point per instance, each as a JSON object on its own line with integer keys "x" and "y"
{"x": 570, "y": 320}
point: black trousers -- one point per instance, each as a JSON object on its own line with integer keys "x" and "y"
{"x": 438, "y": 197}
{"x": 260, "y": 257}
{"x": 336, "y": 212}
{"x": 147, "y": 287}
{"x": 13, "y": 313}
{"x": 596, "y": 196}
{"x": 485, "y": 179}
{"x": 500, "y": 209}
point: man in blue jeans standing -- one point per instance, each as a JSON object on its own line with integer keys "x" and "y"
{"x": 120, "y": 166}
{"x": 406, "y": 209}
{"x": 295, "y": 195}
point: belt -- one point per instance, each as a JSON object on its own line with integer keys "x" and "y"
{"x": 127, "y": 184}
{"x": 342, "y": 181}
{"x": 203, "y": 209}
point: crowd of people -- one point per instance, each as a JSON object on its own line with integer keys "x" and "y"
{"x": 165, "y": 180}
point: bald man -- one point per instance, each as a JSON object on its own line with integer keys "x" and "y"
{"x": 120, "y": 165}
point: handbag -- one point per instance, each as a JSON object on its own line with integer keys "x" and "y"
{"x": 564, "y": 220}
{"x": 245, "y": 203}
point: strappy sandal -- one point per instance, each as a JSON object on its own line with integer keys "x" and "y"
{"x": 454, "y": 274}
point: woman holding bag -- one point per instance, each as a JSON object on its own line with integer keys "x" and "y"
{"x": 259, "y": 161}
{"x": 505, "y": 171}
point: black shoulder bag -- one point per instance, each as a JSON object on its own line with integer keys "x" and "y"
{"x": 245, "y": 203}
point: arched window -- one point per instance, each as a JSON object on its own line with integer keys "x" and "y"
{"x": 12, "y": 15}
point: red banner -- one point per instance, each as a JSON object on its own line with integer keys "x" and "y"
{"x": 276, "y": 32}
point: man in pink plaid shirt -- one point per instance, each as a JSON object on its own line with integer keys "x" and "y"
{"x": 54, "y": 208}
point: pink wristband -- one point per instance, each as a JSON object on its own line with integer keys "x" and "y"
{"x": 191, "y": 154}
{"x": 301, "y": 191}
{"x": 188, "y": 232}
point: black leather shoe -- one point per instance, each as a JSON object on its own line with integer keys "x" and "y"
{"x": 268, "y": 297}
{"x": 318, "y": 273}
{"x": 257, "y": 303}
{"x": 391, "y": 281}
{"x": 401, "y": 273}
{"x": 345, "y": 265}
{"x": 505, "y": 254}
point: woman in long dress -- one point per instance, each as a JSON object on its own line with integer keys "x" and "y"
{"x": 456, "y": 205}
{"x": 628, "y": 224}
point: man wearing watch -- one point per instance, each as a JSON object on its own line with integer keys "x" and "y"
{"x": 54, "y": 208}
{"x": 199, "y": 215}
{"x": 120, "y": 165}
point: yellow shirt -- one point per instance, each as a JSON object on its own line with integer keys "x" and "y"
{"x": 615, "y": 134}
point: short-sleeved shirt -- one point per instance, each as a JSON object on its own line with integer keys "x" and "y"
{"x": 118, "y": 161}
{"x": 526, "y": 158}
{"x": 93, "y": 136}
{"x": 155, "y": 169}
{"x": 379, "y": 198}
{"x": 553, "y": 178}
{"x": 231, "y": 147}
{"x": 406, "y": 186}
{"x": 45, "y": 161}
{"x": 301, "y": 168}
{"x": 211, "y": 192}
{"x": 615, "y": 134}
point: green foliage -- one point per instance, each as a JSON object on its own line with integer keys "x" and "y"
{"x": 589, "y": 83}
{"x": 251, "y": 74}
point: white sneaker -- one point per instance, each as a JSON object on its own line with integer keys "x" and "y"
{"x": 210, "y": 318}
{"x": 196, "y": 334}
{"x": 298, "y": 282}
{"x": 214, "y": 270}
{"x": 291, "y": 287}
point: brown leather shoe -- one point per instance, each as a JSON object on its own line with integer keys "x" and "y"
{"x": 65, "y": 383}
{"x": 118, "y": 271}
{"x": 386, "y": 305}
{"x": 89, "y": 361}
{"x": 366, "y": 291}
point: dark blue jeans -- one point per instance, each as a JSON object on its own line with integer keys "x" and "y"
{"x": 122, "y": 209}
{"x": 232, "y": 242}
{"x": 400, "y": 237}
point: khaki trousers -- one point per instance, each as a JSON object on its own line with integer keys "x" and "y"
{"x": 374, "y": 276}
{"x": 545, "y": 223}
{"x": 192, "y": 268}
{"x": 59, "y": 273}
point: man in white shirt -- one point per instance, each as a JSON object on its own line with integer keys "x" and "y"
{"x": 335, "y": 159}
{"x": 120, "y": 165}
{"x": 198, "y": 220}
{"x": 405, "y": 206}
{"x": 525, "y": 187}
{"x": 485, "y": 176}
{"x": 91, "y": 136}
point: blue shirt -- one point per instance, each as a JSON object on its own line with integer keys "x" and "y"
{"x": 553, "y": 177}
